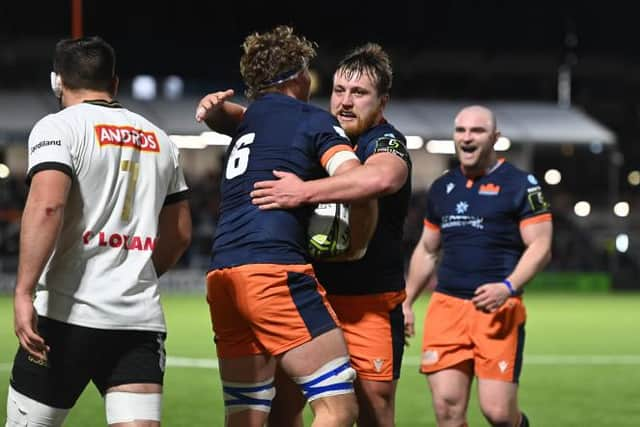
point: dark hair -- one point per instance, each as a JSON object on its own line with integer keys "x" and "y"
{"x": 372, "y": 60}
{"x": 85, "y": 63}
{"x": 271, "y": 58}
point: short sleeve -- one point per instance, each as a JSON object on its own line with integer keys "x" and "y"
{"x": 327, "y": 135}
{"x": 50, "y": 147}
{"x": 432, "y": 217}
{"x": 531, "y": 202}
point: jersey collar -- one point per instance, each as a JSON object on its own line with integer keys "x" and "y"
{"x": 103, "y": 103}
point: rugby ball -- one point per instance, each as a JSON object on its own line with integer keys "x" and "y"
{"x": 329, "y": 232}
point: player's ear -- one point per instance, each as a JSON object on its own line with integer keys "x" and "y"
{"x": 384, "y": 99}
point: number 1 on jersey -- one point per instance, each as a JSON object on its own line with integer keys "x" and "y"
{"x": 133, "y": 168}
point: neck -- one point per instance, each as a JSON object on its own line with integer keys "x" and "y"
{"x": 479, "y": 169}
{"x": 73, "y": 97}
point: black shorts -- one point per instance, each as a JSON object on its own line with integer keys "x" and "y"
{"x": 79, "y": 354}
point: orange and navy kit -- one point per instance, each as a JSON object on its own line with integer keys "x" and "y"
{"x": 262, "y": 291}
{"x": 367, "y": 294}
{"x": 479, "y": 221}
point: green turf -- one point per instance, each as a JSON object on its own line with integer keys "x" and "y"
{"x": 553, "y": 394}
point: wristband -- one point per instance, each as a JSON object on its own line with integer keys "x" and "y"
{"x": 508, "y": 284}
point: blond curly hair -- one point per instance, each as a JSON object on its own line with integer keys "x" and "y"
{"x": 273, "y": 57}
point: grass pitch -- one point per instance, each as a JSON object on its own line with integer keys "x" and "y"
{"x": 581, "y": 365}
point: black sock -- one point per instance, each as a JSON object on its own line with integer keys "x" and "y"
{"x": 524, "y": 421}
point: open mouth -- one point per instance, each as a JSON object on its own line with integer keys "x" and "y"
{"x": 347, "y": 114}
{"x": 468, "y": 148}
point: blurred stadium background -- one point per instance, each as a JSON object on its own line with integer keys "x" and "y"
{"x": 563, "y": 78}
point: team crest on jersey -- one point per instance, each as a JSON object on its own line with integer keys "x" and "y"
{"x": 450, "y": 187}
{"x": 489, "y": 189}
{"x": 127, "y": 136}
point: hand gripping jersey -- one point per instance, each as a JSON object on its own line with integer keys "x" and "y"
{"x": 123, "y": 170}
{"x": 277, "y": 132}
{"x": 382, "y": 267}
{"x": 479, "y": 222}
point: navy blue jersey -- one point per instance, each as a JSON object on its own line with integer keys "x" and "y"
{"x": 382, "y": 267}
{"x": 479, "y": 222}
{"x": 277, "y": 132}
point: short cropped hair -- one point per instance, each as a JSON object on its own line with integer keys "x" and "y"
{"x": 368, "y": 59}
{"x": 85, "y": 63}
{"x": 272, "y": 58}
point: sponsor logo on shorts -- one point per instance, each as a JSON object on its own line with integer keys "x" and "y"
{"x": 41, "y": 362}
{"x": 127, "y": 136}
{"x": 117, "y": 240}
{"x": 46, "y": 143}
{"x": 430, "y": 357}
{"x": 377, "y": 364}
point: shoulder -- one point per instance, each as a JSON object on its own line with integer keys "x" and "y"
{"x": 382, "y": 132}
{"x": 519, "y": 177}
{"x": 383, "y": 138}
{"x": 320, "y": 121}
{"x": 55, "y": 122}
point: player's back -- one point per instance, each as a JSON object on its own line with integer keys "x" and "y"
{"x": 123, "y": 168}
{"x": 277, "y": 133}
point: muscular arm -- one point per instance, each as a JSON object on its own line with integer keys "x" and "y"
{"x": 422, "y": 263}
{"x": 174, "y": 236}
{"x": 421, "y": 267}
{"x": 381, "y": 174}
{"x": 41, "y": 223}
{"x": 363, "y": 219}
{"x": 537, "y": 239}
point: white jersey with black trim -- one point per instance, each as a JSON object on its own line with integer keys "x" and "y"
{"x": 123, "y": 170}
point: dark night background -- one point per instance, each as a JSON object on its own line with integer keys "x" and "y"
{"x": 448, "y": 50}
{"x": 442, "y": 50}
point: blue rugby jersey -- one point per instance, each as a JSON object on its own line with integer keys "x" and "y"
{"x": 277, "y": 132}
{"x": 382, "y": 267}
{"x": 479, "y": 222}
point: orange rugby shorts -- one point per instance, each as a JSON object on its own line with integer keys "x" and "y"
{"x": 455, "y": 331}
{"x": 373, "y": 327}
{"x": 266, "y": 308}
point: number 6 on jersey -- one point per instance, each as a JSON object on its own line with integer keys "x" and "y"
{"x": 239, "y": 156}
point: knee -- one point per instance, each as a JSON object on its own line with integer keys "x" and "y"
{"x": 498, "y": 415}
{"x": 449, "y": 409}
{"x": 336, "y": 413}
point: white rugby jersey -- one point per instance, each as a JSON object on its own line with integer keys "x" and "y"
{"x": 123, "y": 170}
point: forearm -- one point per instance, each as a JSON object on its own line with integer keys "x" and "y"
{"x": 174, "y": 236}
{"x": 363, "y": 219}
{"x": 166, "y": 254}
{"x": 225, "y": 119}
{"x": 421, "y": 267}
{"x": 41, "y": 224}
{"x": 356, "y": 184}
{"x": 532, "y": 261}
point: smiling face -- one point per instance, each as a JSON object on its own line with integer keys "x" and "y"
{"x": 474, "y": 136}
{"x": 355, "y": 102}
